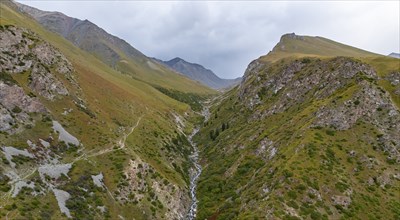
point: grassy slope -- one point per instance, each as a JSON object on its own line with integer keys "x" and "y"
{"x": 118, "y": 100}
{"x": 313, "y": 46}
{"x": 234, "y": 179}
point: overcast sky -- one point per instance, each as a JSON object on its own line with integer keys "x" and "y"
{"x": 225, "y": 36}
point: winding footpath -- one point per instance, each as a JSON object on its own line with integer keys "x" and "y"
{"x": 121, "y": 143}
{"x": 84, "y": 156}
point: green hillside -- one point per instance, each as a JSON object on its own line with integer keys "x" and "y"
{"x": 115, "y": 127}
{"x": 305, "y": 137}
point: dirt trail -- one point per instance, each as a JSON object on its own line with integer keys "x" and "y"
{"x": 85, "y": 155}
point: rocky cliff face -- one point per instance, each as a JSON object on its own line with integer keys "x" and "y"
{"x": 307, "y": 138}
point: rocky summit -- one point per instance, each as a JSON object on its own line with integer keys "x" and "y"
{"x": 91, "y": 128}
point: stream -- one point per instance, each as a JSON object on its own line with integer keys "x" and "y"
{"x": 194, "y": 176}
{"x": 196, "y": 170}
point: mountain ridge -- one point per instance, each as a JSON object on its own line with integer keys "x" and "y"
{"x": 199, "y": 73}
{"x": 394, "y": 55}
{"x": 112, "y": 50}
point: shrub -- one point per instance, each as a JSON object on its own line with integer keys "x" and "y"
{"x": 341, "y": 186}
{"x": 306, "y": 60}
{"x": 7, "y": 79}
{"x": 292, "y": 194}
{"x": 330, "y": 132}
{"x": 17, "y": 109}
{"x": 293, "y": 204}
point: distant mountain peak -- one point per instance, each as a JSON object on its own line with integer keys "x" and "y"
{"x": 199, "y": 73}
{"x": 176, "y": 60}
{"x": 394, "y": 55}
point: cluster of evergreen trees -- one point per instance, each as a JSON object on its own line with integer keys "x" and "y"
{"x": 215, "y": 133}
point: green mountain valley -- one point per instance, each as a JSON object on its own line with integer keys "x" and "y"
{"x": 91, "y": 128}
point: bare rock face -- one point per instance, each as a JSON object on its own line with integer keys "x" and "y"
{"x": 267, "y": 150}
{"x": 14, "y": 106}
{"x": 371, "y": 105}
{"x": 14, "y": 96}
{"x": 170, "y": 195}
{"x": 394, "y": 79}
{"x": 292, "y": 36}
{"x": 45, "y": 83}
{"x": 21, "y": 51}
{"x": 367, "y": 103}
{"x": 343, "y": 201}
{"x": 245, "y": 93}
{"x": 6, "y": 120}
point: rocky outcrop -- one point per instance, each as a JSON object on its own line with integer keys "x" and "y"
{"x": 394, "y": 80}
{"x": 45, "y": 84}
{"x": 267, "y": 150}
{"x": 15, "y": 106}
{"x": 139, "y": 186}
{"x": 372, "y": 105}
{"x": 292, "y": 36}
{"x": 22, "y": 51}
{"x": 343, "y": 201}
{"x": 12, "y": 97}
{"x": 322, "y": 80}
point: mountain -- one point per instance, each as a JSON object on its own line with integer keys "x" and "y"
{"x": 111, "y": 50}
{"x": 292, "y": 45}
{"x": 311, "y": 132}
{"x": 97, "y": 130}
{"x": 81, "y": 139}
{"x": 394, "y": 55}
{"x": 199, "y": 73}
